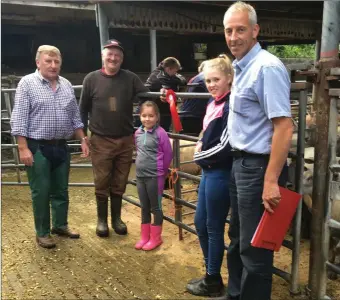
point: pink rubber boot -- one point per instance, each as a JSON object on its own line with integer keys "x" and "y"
{"x": 155, "y": 238}
{"x": 144, "y": 236}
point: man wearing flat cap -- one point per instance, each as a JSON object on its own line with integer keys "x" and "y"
{"x": 107, "y": 99}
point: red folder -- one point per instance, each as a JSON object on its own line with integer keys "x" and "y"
{"x": 273, "y": 227}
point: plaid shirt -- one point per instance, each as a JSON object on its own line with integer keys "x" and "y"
{"x": 41, "y": 113}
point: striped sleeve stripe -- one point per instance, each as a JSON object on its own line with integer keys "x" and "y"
{"x": 212, "y": 151}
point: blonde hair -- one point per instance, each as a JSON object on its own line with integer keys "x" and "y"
{"x": 47, "y": 49}
{"x": 201, "y": 66}
{"x": 240, "y": 6}
{"x": 171, "y": 62}
{"x": 221, "y": 63}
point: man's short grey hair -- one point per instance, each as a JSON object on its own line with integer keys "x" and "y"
{"x": 107, "y": 49}
{"x": 240, "y": 6}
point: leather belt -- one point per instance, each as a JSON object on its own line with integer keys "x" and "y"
{"x": 240, "y": 153}
{"x": 55, "y": 142}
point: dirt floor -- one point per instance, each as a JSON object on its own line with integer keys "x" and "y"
{"x": 108, "y": 268}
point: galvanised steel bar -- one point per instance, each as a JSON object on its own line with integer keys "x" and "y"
{"x": 7, "y": 146}
{"x": 187, "y": 162}
{"x": 18, "y": 166}
{"x": 333, "y": 267}
{"x": 165, "y": 195}
{"x": 316, "y": 59}
{"x": 177, "y": 184}
{"x": 183, "y": 137}
{"x": 189, "y": 191}
{"x": 330, "y": 36}
{"x": 8, "y": 161}
{"x": 181, "y": 95}
{"x": 15, "y": 150}
{"x": 335, "y": 168}
{"x": 295, "y": 86}
{"x": 189, "y": 176}
{"x": 334, "y": 224}
{"x": 25, "y": 183}
{"x": 188, "y": 145}
{"x": 288, "y": 244}
{"x": 12, "y": 90}
{"x": 103, "y": 24}
{"x": 283, "y": 274}
{"x": 300, "y": 162}
{"x": 153, "y": 49}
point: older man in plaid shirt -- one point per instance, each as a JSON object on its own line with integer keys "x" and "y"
{"x": 45, "y": 114}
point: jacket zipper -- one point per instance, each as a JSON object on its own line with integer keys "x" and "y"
{"x": 145, "y": 132}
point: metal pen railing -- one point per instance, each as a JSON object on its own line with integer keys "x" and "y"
{"x": 178, "y": 218}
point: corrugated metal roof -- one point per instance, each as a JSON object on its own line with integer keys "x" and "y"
{"x": 155, "y": 16}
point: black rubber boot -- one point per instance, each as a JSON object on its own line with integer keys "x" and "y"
{"x": 116, "y": 207}
{"x": 226, "y": 297}
{"x": 102, "y": 229}
{"x": 208, "y": 286}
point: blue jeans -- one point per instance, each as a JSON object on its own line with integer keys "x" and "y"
{"x": 250, "y": 268}
{"x": 211, "y": 213}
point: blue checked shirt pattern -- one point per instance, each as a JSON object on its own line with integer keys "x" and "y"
{"x": 41, "y": 113}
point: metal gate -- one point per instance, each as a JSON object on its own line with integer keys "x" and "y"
{"x": 293, "y": 245}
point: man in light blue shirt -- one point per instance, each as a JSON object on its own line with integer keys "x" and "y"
{"x": 260, "y": 131}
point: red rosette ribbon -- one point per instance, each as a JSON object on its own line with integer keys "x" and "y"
{"x": 171, "y": 99}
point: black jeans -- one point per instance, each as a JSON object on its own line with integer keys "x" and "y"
{"x": 250, "y": 268}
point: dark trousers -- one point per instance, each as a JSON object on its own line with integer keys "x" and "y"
{"x": 111, "y": 162}
{"x": 250, "y": 268}
{"x": 49, "y": 186}
{"x": 150, "y": 191}
{"x": 211, "y": 213}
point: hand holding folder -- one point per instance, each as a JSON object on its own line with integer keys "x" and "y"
{"x": 273, "y": 227}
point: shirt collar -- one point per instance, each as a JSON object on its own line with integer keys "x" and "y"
{"x": 42, "y": 79}
{"x": 218, "y": 99}
{"x": 248, "y": 57}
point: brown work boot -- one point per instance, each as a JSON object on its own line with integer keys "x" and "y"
{"x": 46, "y": 241}
{"x": 65, "y": 231}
